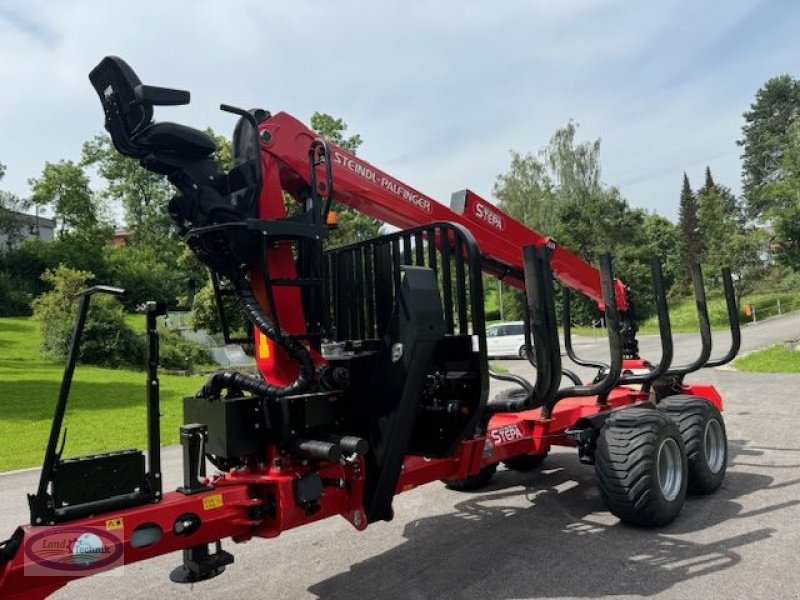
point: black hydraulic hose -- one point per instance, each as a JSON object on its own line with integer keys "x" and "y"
{"x": 510, "y": 377}
{"x": 261, "y": 321}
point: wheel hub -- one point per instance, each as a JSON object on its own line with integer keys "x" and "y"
{"x": 714, "y": 446}
{"x": 670, "y": 469}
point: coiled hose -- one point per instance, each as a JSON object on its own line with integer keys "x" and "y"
{"x": 298, "y": 352}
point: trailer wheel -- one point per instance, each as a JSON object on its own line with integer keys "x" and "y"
{"x": 526, "y": 462}
{"x": 703, "y": 430}
{"x": 641, "y": 467}
{"x": 472, "y": 482}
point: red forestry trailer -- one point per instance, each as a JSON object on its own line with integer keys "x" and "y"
{"x": 372, "y": 358}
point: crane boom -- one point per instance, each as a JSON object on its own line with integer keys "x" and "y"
{"x": 371, "y": 191}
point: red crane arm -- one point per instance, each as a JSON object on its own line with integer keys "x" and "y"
{"x": 369, "y": 190}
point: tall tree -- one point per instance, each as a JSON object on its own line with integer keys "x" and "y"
{"x": 782, "y": 202}
{"x": 725, "y": 238}
{"x": 575, "y": 167}
{"x": 764, "y": 136}
{"x": 564, "y": 173}
{"x": 352, "y": 226}
{"x": 660, "y": 238}
{"x": 558, "y": 191}
{"x": 691, "y": 235}
{"x": 65, "y": 187}
{"x": 143, "y": 195}
{"x": 526, "y": 192}
{"x": 709, "y": 183}
{"x": 731, "y": 206}
{"x": 720, "y": 226}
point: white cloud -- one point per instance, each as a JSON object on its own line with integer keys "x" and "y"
{"x": 439, "y": 91}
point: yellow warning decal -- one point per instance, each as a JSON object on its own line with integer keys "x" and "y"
{"x": 212, "y": 502}
{"x": 263, "y": 346}
{"x": 112, "y": 524}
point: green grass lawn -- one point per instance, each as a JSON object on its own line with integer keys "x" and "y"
{"x": 683, "y": 316}
{"x": 775, "y": 359}
{"x": 106, "y": 409}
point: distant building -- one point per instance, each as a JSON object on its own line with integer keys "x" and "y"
{"x": 28, "y": 227}
{"x": 122, "y": 237}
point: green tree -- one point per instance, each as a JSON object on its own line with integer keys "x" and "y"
{"x": 782, "y": 202}
{"x": 575, "y": 166}
{"x": 142, "y": 194}
{"x": 691, "y": 235}
{"x": 559, "y": 192}
{"x": 352, "y": 225}
{"x": 205, "y": 314}
{"x": 224, "y": 153}
{"x": 526, "y": 192}
{"x": 764, "y": 137}
{"x": 65, "y": 187}
{"x": 661, "y": 239}
{"x": 144, "y": 275}
{"x": 728, "y": 240}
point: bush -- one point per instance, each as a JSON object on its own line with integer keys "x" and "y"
{"x": 143, "y": 275}
{"x": 107, "y": 339}
{"x": 13, "y": 301}
{"x": 178, "y": 353}
{"x": 206, "y": 316}
{"x": 81, "y": 250}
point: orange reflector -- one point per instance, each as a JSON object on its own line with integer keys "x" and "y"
{"x": 263, "y": 346}
{"x": 332, "y": 220}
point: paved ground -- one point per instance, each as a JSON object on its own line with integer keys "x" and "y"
{"x": 540, "y": 535}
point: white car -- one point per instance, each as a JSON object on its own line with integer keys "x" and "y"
{"x": 506, "y": 339}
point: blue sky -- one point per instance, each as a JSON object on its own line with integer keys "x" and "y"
{"x": 439, "y": 91}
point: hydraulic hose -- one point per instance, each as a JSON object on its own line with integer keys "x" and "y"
{"x": 261, "y": 321}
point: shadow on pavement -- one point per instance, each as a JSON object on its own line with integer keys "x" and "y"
{"x": 553, "y": 538}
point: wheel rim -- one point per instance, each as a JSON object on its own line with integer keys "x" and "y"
{"x": 670, "y": 471}
{"x": 714, "y": 446}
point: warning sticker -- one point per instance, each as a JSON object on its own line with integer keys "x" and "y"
{"x": 112, "y": 524}
{"x": 212, "y": 502}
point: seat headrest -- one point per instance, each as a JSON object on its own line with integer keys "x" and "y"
{"x": 113, "y": 76}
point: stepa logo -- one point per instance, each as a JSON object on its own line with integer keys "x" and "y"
{"x": 489, "y": 216}
{"x": 75, "y": 550}
{"x": 506, "y": 434}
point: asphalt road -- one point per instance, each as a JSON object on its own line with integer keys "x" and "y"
{"x": 539, "y": 535}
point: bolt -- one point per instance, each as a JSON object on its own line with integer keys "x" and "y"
{"x": 397, "y": 352}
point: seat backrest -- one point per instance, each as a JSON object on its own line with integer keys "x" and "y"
{"x": 115, "y": 82}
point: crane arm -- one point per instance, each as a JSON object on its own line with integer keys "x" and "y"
{"x": 373, "y": 192}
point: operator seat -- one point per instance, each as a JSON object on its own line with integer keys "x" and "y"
{"x": 133, "y": 131}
